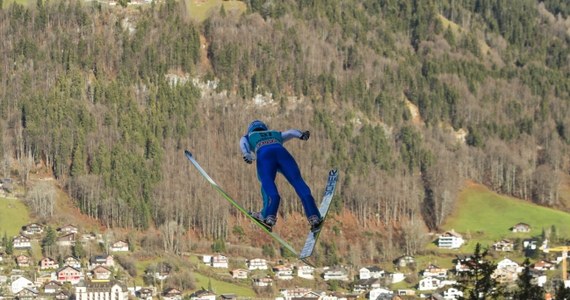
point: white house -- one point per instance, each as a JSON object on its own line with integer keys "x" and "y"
{"x": 262, "y": 282}
{"x": 33, "y": 228}
{"x": 283, "y": 272}
{"x": 404, "y": 261}
{"x": 429, "y": 283}
{"x": 68, "y": 229}
{"x": 52, "y": 287}
{"x": 452, "y": 293}
{"x": 396, "y": 277}
{"x": 508, "y": 264}
{"x": 203, "y": 295}
{"x": 219, "y": 261}
{"x": 305, "y": 271}
{"x": 239, "y": 274}
{"x": 20, "y": 284}
{"x": 27, "y": 293}
{"x": 507, "y": 271}
{"x": 363, "y": 285}
{"x": 435, "y": 271}
{"x": 299, "y": 293}
{"x": 100, "y": 290}
{"x": 119, "y": 246}
{"x": 257, "y": 264}
{"x": 172, "y": 294}
{"x": 335, "y": 273}
{"x": 521, "y": 227}
{"x": 72, "y": 262}
{"x": 22, "y": 242}
{"x": 371, "y": 272}
{"x": 530, "y": 244}
{"x": 379, "y": 292}
{"x": 450, "y": 240}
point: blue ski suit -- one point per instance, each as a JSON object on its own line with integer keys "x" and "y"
{"x": 271, "y": 158}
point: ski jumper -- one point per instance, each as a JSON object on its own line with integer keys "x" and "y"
{"x": 271, "y": 158}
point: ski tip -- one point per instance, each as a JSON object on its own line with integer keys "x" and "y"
{"x": 188, "y": 153}
{"x": 333, "y": 172}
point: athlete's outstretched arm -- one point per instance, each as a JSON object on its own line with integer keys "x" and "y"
{"x": 294, "y": 133}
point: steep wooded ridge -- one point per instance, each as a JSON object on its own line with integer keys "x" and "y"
{"x": 107, "y": 99}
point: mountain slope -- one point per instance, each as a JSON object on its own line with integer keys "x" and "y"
{"x": 106, "y": 99}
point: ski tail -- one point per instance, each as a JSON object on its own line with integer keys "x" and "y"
{"x": 312, "y": 237}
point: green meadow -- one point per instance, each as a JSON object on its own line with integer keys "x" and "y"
{"x": 200, "y": 10}
{"x": 201, "y": 277}
{"x": 486, "y": 217}
{"x": 222, "y": 287}
{"x": 13, "y": 215}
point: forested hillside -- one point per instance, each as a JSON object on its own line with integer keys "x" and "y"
{"x": 107, "y": 98}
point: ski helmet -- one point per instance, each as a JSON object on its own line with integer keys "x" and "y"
{"x": 256, "y": 125}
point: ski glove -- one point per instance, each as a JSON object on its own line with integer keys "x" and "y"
{"x": 305, "y": 135}
{"x": 248, "y": 158}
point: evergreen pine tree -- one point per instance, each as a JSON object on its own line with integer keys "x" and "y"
{"x": 562, "y": 292}
{"x": 526, "y": 289}
{"x": 78, "y": 250}
{"x": 8, "y": 245}
{"x": 478, "y": 283}
{"x": 219, "y": 246}
{"x": 48, "y": 241}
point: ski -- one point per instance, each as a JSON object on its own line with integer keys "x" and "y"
{"x": 312, "y": 237}
{"x": 235, "y": 204}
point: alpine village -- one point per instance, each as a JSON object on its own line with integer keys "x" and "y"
{"x": 122, "y": 174}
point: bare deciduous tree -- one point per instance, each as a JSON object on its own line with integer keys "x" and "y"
{"x": 171, "y": 232}
{"x": 41, "y": 199}
{"x": 545, "y": 185}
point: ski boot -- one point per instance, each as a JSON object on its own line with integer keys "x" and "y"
{"x": 316, "y": 223}
{"x": 266, "y": 223}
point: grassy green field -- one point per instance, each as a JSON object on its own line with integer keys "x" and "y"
{"x": 13, "y": 215}
{"x": 201, "y": 279}
{"x": 200, "y": 10}
{"x": 206, "y": 276}
{"x": 484, "y": 216}
{"x": 221, "y": 287}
